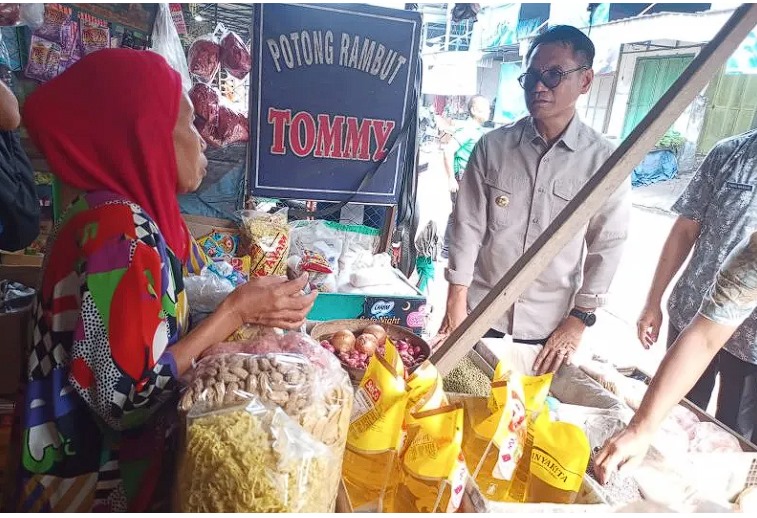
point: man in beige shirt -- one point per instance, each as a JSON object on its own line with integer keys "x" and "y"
{"x": 517, "y": 181}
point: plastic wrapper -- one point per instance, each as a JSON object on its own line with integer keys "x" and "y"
{"x": 207, "y": 131}
{"x": 268, "y": 239}
{"x": 166, "y": 42}
{"x": 433, "y": 474}
{"x": 70, "y": 48}
{"x": 54, "y": 17}
{"x": 710, "y": 438}
{"x": 205, "y": 100}
{"x": 254, "y": 458}
{"x": 10, "y": 15}
{"x": 319, "y": 398}
{"x": 95, "y": 35}
{"x": 235, "y": 56}
{"x": 233, "y": 126}
{"x": 375, "y": 433}
{"x": 205, "y": 292}
{"x": 44, "y": 59}
{"x": 204, "y": 58}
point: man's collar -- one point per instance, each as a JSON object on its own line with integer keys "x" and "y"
{"x": 570, "y": 137}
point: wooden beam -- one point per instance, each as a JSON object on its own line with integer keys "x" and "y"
{"x": 598, "y": 189}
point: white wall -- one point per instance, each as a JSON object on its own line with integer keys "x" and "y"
{"x": 623, "y": 89}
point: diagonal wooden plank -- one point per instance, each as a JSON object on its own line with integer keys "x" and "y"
{"x": 598, "y": 189}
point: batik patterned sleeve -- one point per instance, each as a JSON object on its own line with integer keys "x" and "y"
{"x": 733, "y": 295}
{"x": 696, "y": 198}
{"x": 120, "y": 365}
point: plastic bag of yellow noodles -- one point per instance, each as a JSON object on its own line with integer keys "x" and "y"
{"x": 375, "y": 433}
{"x": 560, "y": 456}
{"x": 253, "y": 458}
{"x": 434, "y": 473}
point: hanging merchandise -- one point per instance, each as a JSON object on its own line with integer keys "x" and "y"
{"x": 55, "y": 17}
{"x": 95, "y": 34}
{"x": 44, "y": 59}
{"x": 166, "y": 42}
{"x": 205, "y": 101}
{"x": 70, "y": 48}
{"x": 13, "y": 15}
{"x": 204, "y": 58}
{"x": 235, "y": 56}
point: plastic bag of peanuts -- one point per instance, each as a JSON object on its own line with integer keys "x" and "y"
{"x": 285, "y": 371}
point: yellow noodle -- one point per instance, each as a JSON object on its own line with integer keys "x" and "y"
{"x": 231, "y": 465}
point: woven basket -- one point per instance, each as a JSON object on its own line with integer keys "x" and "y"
{"x": 326, "y": 330}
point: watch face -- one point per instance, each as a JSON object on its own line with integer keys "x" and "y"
{"x": 591, "y": 319}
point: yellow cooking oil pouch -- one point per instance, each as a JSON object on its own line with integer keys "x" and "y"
{"x": 393, "y": 358}
{"x": 493, "y": 442}
{"x": 535, "y": 388}
{"x": 535, "y": 392}
{"x": 559, "y": 460}
{"x": 374, "y": 434}
{"x": 425, "y": 392}
{"x": 433, "y": 474}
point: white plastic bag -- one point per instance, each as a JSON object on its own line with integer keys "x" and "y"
{"x": 166, "y": 42}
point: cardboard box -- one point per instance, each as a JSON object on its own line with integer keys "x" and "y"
{"x": 200, "y": 226}
{"x": 21, "y": 259}
{"x": 400, "y": 310}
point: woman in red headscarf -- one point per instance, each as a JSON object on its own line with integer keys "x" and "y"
{"x": 109, "y": 343}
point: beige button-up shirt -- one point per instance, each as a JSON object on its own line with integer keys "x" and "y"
{"x": 513, "y": 187}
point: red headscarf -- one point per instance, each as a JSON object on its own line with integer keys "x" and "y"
{"x": 107, "y": 124}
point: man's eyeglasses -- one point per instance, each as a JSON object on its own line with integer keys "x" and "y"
{"x": 549, "y": 78}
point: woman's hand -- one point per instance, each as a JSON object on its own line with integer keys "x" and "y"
{"x": 624, "y": 451}
{"x": 272, "y": 302}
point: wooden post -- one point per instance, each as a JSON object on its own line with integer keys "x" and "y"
{"x": 598, "y": 189}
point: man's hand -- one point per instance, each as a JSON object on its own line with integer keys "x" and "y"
{"x": 454, "y": 186}
{"x": 624, "y": 451}
{"x": 457, "y": 309}
{"x": 560, "y": 347}
{"x": 649, "y": 324}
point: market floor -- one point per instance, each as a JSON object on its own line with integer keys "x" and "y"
{"x": 614, "y": 335}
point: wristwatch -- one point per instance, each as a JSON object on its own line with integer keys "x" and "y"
{"x": 589, "y": 319}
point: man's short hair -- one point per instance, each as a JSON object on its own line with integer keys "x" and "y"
{"x": 474, "y": 100}
{"x": 583, "y": 48}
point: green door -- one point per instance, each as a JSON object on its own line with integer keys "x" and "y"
{"x": 731, "y": 107}
{"x": 651, "y": 79}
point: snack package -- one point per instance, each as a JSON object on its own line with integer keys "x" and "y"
{"x": 433, "y": 474}
{"x": 559, "y": 460}
{"x": 320, "y": 276}
{"x": 254, "y": 458}
{"x": 95, "y": 35}
{"x": 70, "y": 48}
{"x": 204, "y": 58}
{"x": 55, "y": 16}
{"x": 205, "y": 100}
{"x": 235, "y": 56}
{"x": 220, "y": 244}
{"x": 268, "y": 238}
{"x": 375, "y": 433}
{"x": 44, "y": 59}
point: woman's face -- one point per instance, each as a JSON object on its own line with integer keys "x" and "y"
{"x": 189, "y": 147}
